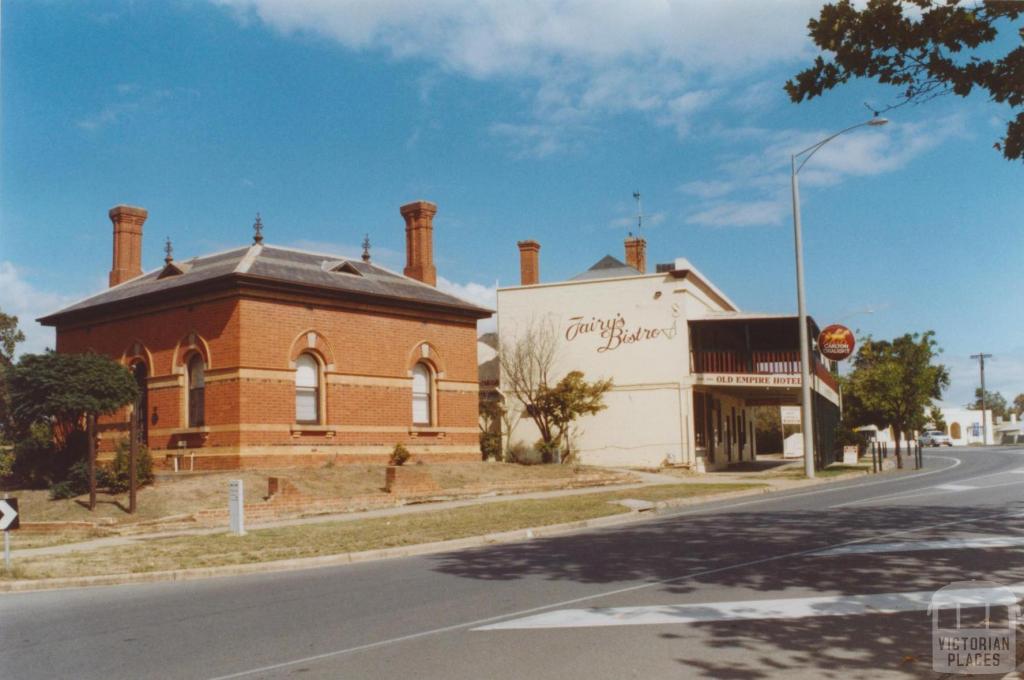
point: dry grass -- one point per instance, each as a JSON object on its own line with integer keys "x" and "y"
{"x": 186, "y": 493}
{"x": 328, "y": 538}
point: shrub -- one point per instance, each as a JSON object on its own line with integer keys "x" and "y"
{"x": 550, "y": 452}
{"x": 117, "y": 482}
{"x": 490, "y": 445}
{"x": 6, "y": 463}
{"x": 38, "y": 464}
{"x": 518, "y": 453}
{"x": 399, "y": 455}
{"x": 63, "y": 490}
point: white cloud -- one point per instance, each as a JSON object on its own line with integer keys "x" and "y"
{"x": 664, "y": 58}
{"x": 708, "y": 189}
{"x": 763, "y": 177}
{"x": 740, "y": 214}
{"x": 476, "y": 293}
{"x": 130, "y": 99}
{"x": 20, "y": 297}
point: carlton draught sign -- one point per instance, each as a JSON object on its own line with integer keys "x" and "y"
{"x": 836, "y": 342}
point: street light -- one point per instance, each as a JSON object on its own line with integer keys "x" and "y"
{"x": 807, "y": 427}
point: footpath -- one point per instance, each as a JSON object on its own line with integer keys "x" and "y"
{"x": 767, "y": 482}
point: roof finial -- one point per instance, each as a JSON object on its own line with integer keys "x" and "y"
{"x": 169, "y": 250}
{"x": 366, "y": 248}
{"x": 257, "y": 227}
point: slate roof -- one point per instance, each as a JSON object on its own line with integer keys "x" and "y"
{"x": 607, "y": 268}
{"x": 269, "y": 264}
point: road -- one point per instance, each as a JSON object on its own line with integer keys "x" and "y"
{"x": 787, "y": 585}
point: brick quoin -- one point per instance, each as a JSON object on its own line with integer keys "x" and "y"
{"x": 249, "y": 335}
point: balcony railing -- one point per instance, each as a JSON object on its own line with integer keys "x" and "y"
{"x": 756, "y": 362}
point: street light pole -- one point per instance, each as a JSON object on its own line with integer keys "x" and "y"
{"x": 806, "y": 422}
{"x": 806, "y": 426}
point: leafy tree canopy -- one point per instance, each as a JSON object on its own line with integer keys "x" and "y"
{"x": 994, "y": 402}
{"x": 937, "y": 420}
{"x": 893, "y": 382}
{"x": 569, "y": 399}
{"x": 10, "y": 336}
{"x": 1018, "y": 405}
{"x": 927, "y": 48}
{"x": 64, "y": 388}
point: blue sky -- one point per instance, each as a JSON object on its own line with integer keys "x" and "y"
{"x": 520, "y": 120}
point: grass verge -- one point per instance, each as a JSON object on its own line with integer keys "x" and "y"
{"x": 329, "y": 538}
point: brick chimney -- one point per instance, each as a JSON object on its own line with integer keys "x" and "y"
{"x": 529, "y": 263}
{"x": 128, "y": 221}
{"x": 419, "y": 241}
{"x": 636, "y": 253}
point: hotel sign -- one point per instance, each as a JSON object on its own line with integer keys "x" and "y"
{"x": 836, "y": 342}
{"x": 742, "y": 380}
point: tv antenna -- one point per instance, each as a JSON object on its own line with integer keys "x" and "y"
{"x": 639, "y": 213}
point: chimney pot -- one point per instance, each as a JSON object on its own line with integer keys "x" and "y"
{"x": 419, "y": 241}
{"x": 636, "y": 253}
{"x": 128, "y": 221}
{"x": 529, "y": 263}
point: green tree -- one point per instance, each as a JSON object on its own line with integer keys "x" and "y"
{"x": 937, "y": 420}
{"x": 10, "y": 336}
{"x": 1018, "y": 405}
{"x": 893, "y": 382}
{"x": 61, "y": 389}
{"x": 994, "y": 402}
{"x": 558, "y": 407}
{"x": 926, "y": 48}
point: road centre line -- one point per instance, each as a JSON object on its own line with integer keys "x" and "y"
{"x": 748, "y": 610}
{"x": 917, "y": 546}
{"x": 585, "y": 598}
{"x": 942, "y": 488}
{"x": 814, "y": 492}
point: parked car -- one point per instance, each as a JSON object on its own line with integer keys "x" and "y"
{"x": 934, "y": 438}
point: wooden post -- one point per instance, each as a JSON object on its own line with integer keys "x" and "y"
{"x": 91, "y": 434}
{"x": 133, "y": 450}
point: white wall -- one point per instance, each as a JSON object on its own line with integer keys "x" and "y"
{"x": 634, "y": 331}
{"x": 969, "y": 421}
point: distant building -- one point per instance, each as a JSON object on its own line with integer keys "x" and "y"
{"x": 267, "y": 356}
{"x": 1010, "y": 431}
{"x": 688, "y": 366}
{"x": 964, "y": 426}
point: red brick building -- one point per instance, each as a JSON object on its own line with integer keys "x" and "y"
{"x": 265, "y": 356}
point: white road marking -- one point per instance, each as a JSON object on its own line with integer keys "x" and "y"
{"x": 915, "y": 546}
{"x": 934, "y": 489}
{"x": 783, "y": 608}
{"x": 956, "y": 487}
{"x": 618, "y": 591}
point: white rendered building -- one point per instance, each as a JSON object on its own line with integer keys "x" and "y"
{"x": 687, "y": 365}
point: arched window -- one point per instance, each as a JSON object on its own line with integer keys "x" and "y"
{"x": 422, "y": 379}
{"x": 196, "y": 391}
{"x": 954, "y": 431}
{"x": 307, "y": 389}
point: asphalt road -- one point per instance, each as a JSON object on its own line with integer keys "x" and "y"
{"x": 824, "y": 582}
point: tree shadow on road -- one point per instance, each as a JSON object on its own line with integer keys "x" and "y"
{"x": 752, "y": 555}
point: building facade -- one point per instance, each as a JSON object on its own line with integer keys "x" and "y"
{"x": 263, "y": 356}
{"x": 687, "y": 365}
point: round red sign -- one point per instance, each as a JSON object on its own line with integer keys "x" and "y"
{"x": 836, "y": 342}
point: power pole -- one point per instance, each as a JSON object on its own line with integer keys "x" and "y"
{"x": 981, "y": 361}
